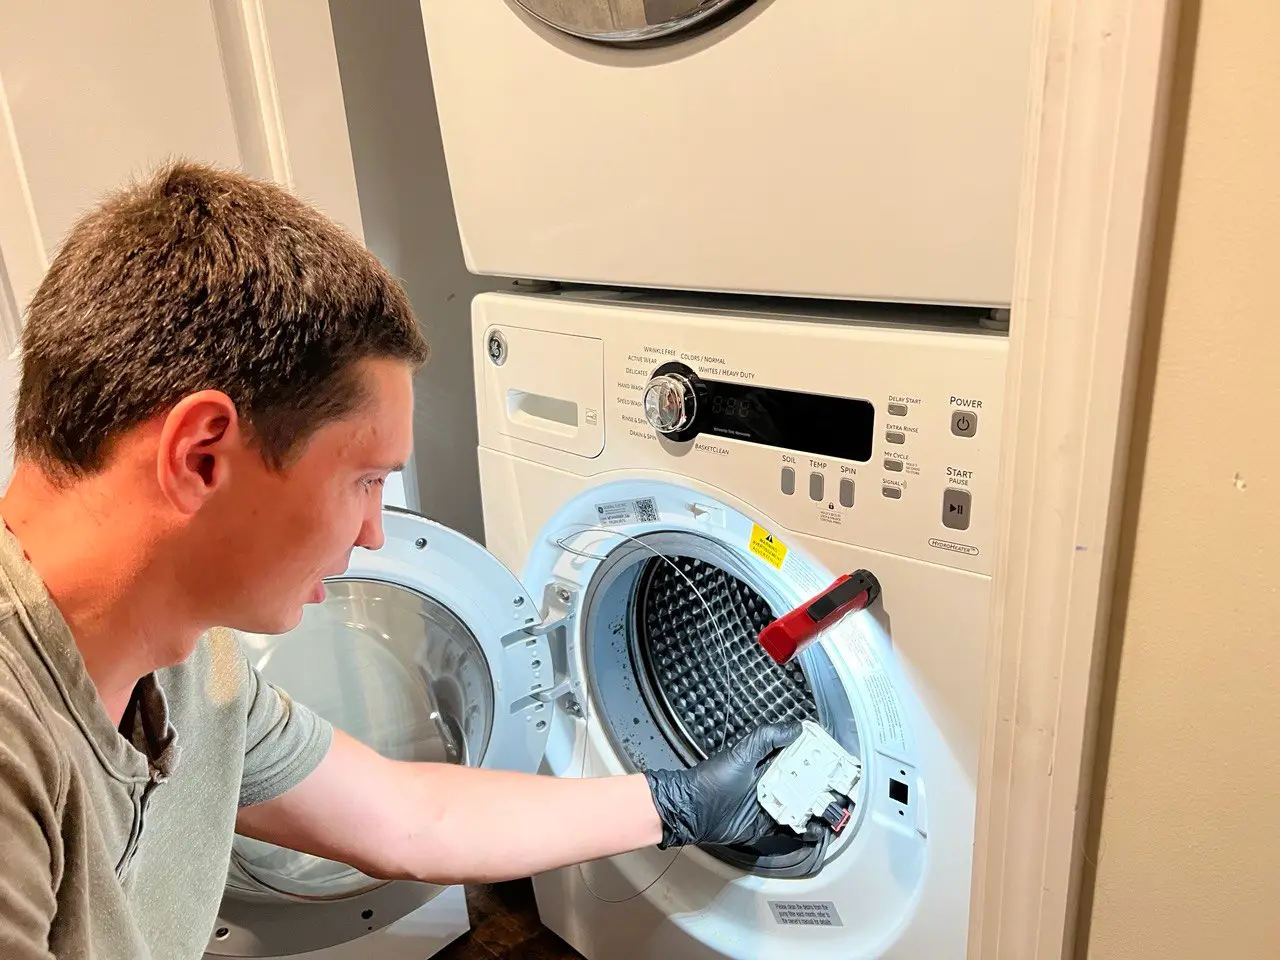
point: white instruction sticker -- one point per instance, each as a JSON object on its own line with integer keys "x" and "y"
{"x": 805, "y": 913}
{"x": 804, "y": 576}
{"x": 877, "y": 690}
{"x": 886, "y": 711}
{"x": 642, "y": 510}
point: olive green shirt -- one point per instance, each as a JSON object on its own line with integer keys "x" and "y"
{"x": 115, "y": 847}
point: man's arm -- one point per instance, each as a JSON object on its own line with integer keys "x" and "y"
{"x": 449, "y": 824}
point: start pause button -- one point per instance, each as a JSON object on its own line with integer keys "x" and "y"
{"x": 956, "y": 509}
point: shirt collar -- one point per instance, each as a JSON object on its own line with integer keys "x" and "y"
{"x": 150, "y": 752}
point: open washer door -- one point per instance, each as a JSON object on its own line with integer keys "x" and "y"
{"x": 427, "y": 650}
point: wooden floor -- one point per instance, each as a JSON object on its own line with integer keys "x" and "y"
{"x": 504, "y": 926}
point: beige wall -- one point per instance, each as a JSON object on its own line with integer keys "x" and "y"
{"x": 1186, "y": 824}
{"x": 409, "y": 223}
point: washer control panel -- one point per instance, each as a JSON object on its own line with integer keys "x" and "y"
{"x": 883, "y": 435}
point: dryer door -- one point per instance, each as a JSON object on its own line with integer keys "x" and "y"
{"x": 628, "y": 22}
{"x": 427, "y": 650}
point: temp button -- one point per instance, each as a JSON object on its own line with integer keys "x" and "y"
{"x": 788, "y": 480}
{"x": 956, "y": 509}
{"x": 817, "y": 486}
{"x": 846, "y": 492}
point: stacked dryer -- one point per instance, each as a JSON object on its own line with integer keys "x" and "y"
{"x": 723, "y": 196}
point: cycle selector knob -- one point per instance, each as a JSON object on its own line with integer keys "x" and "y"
{"x": 670, "y": 403}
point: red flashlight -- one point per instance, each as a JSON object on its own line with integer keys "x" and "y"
{"x": 789, "y": 634}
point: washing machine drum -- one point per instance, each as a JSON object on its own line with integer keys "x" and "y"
{"x": 707, "y": 680}
{"x": 678, "y": 674}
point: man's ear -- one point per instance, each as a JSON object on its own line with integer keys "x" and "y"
{"x": 197, "y": 436}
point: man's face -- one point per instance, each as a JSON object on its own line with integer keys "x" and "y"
{"x": 272, "y": 537}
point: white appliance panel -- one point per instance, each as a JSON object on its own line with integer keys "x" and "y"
{"x": 928, "y": 489}
{"x": 822, "y": 148}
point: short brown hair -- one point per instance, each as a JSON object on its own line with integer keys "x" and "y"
{"x": 194, "y": 279}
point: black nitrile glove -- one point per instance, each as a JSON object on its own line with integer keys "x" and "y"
{"x": 715, "y": 801}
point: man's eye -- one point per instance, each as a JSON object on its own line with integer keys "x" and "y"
{"x": 373, "y": 482}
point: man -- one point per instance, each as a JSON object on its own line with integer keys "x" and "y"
{"x": 216, "y": 382}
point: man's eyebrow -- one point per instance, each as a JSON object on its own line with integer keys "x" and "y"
{"x": 392, "y": 469}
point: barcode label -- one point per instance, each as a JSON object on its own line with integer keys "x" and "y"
{"x": 642, "y": 510}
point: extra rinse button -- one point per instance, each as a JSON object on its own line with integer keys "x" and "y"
{"x": 956, "y": 508}
{"x": 964, "y": 423}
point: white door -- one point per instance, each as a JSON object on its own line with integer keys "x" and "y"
{"x": 427, "y": 650}
{"x": 94, "y": 94}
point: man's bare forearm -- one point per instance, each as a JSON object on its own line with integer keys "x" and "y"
{"x": 447, "y": 824}
{"x": 487, "y": 825}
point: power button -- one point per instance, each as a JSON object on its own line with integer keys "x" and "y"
{"x": 964, "y": 423}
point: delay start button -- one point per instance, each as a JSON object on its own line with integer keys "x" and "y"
{"x": 964, "y": 423}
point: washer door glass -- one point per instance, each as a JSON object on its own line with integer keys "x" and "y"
{"x": 428, "y": 649}
{"x": 392, "y": 668}
{"x": 631, "y": 21}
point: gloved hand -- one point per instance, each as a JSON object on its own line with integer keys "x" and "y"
{"x": 715, "y": 801}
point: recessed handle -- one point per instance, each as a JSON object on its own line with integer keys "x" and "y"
{"x": 541, "y": 411}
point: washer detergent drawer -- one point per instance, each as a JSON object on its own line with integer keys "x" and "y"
{"x": 546, "y": 388}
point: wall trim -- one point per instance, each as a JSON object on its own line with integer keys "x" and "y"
{"x": 1100, "y": 75}
{"x": 23, "y": 259}
{"x": 245, "y": 45}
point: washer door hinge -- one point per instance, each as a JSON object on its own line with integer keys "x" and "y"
{"x": 559, "y": 618}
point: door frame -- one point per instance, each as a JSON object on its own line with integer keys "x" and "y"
{"x": 1100, "y": 74}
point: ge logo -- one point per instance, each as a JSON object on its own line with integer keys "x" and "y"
{"x": 497, "y": 348}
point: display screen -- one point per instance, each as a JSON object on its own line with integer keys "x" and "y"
{"x": 806, "y": 422}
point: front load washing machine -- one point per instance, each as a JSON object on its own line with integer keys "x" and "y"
{"x": 787, "y": 450}
{"x": 814, "y": 148}
{"x": 668, "y": 479}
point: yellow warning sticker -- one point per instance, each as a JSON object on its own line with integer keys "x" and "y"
{"x": 767, "y": 547}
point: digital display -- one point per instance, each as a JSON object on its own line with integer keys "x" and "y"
{"x": 806, "y": 422}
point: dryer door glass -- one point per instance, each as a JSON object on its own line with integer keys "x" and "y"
{"x": 428, "y": 649}
{"x": 632, "y": 21}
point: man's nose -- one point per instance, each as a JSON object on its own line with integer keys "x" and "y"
{"x": 371, "y": 536}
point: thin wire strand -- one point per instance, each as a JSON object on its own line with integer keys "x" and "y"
{"x": 721, "y": 636}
